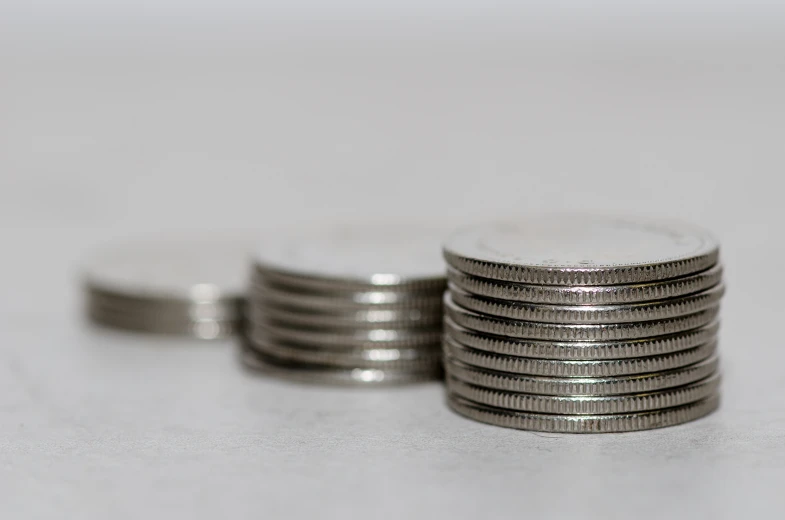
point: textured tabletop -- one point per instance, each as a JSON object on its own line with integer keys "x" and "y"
{"x": 101, "y": 141}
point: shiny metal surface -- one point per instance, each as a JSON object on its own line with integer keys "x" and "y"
{"x": 586, "y": 405}
{"x": 359, "y": 257}
{"x": 562, "y": 368}
{"x": 578, "y": 314}
{"x": 564, "y": 332}
{"x": 319, "y": 374}
{"x": 587, "y": 295}
{"x": 614, "y": 423}
{"x": 581, "y": 250}
{"x": 577, "y": 350}
{"x": 573, "y": 386}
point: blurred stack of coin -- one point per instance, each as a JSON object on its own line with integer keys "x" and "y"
{"x": 348, "y": 306}
{"x": 191, "y": 286}
{"x": 582, "y": 323}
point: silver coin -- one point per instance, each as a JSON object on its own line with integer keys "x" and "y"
{"x": 585, "y": 423}
{"x": 587, "y": 295}
{"x": 398, "y": 359}
{"x": 351, "y": 338}
{"x": 572, "y": 386}
{"x": 173, "y": 268}
{"x": 581, "y": 250}
{"x": 200, "y": 329}
{"x": 370, "y": 258}
{"x": 315, "y": 374}
{"x": 577, "y": 314}
{"x": 369, "y": 319}
{"x": 582, "y": 350}
{"x": 563, "y": 332}
{"x": 586, "y": 405}
{"x": 285, "y": 297}
{"x": 561, "y": 368}
{"x": 167, "y": 309}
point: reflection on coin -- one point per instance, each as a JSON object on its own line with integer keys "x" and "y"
{"x": 581, "y": 250}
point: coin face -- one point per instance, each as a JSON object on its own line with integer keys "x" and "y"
{"x": 373, "y": 255}
{"x": 581, "y": 249}
{"x": 201, "y": 268}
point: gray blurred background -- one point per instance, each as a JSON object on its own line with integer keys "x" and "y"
{"x": 128, "y": 117}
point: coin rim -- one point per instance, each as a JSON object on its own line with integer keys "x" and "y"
{"x": 587, "y": 294}
{"x": 620, "y": 423}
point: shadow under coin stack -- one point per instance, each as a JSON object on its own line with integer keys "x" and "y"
{"x": 582, "y": 324}
{"x": 351, "y": 306}
{"x": 169, "y": 285}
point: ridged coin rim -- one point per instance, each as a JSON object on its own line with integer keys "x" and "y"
{"x": 701, "y": 259}
{"x": 584, "y": 423}
{"x": 560, "y": 368}
{"x": 587, "y": 295}
{"x": 352, "y": 338}
{"x": 588, "y": 314}
{"x": 359, "y": 319}
{"x": 572, "y": 386}
{"x": 572, "y": 332}
{"x": 313, "y": 374}
{"x": 581, "y": 350}
{"x": 586, "y": 405}
{"x": 398, "y": 359}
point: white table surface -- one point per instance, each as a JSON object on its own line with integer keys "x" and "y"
{"x": 102, "y": 141}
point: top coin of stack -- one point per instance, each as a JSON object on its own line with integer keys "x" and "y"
{"x": 352, "y": 305}
{"x": 582, "y": 323}
{"x": 179, "y": 285}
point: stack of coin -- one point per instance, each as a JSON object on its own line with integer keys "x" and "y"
{"x": 169, "y": 285}
{"x": 348, "y": 306}
{"x": 582, "y": 323}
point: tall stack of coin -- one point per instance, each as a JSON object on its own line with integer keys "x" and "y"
{"x": 178, "y": 285}
{"x": 348, "y": 306}
{"x": 582, "y": 323}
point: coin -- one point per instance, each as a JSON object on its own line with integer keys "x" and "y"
{"x": 316, "y": 374}
{"x": 573, "y": 386}
{"x": 345, "y": 320}
{"x": 294, "y": 298}
{"x": 169, "y": 285}
{"x": 183, "y": 310}
{"x": 562, "y": 332}
{"x": 581, "y": 250}
{"x": 586, "y": 405}
{"x": 365, "y": 258}
{"x": 648, "y": 311}
{"x": 352, "y": 338}
{"x": 201, "y": 329}
{"x": 577, "y": 350}
{"x": 562, "y": 368}
{"x": 587, "y": 295}
{"x": 172, "y": 268}
{"x": 417, "y": 359}
{"x": 585, "y": 423}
